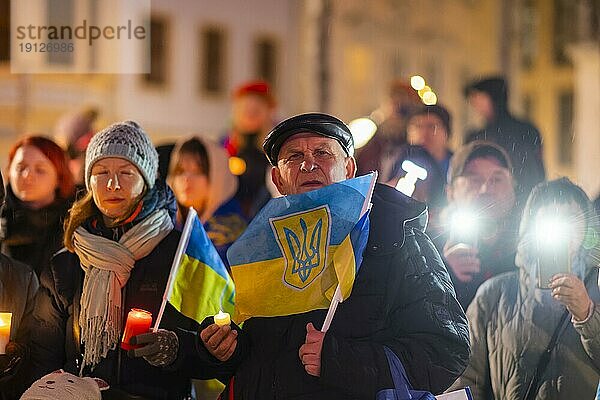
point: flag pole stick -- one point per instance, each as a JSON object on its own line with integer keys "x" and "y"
{"x": 183, "y": 242}
{"x": 337, "y": 296}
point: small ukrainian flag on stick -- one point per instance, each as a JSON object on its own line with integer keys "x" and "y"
{"x": 199, "y": 284}
{"x": 302, "y": 252}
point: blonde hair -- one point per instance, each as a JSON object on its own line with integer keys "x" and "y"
{"x": 80, "y": 212}
{"x": 84, "y": 209}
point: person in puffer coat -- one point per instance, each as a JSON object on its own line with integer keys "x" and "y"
{"x": 120, "y": 243}
{"x": 512, "y": 321}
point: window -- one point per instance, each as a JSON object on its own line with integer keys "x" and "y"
{"x": 158, "y": 51}
{"x": 93, "y": 17}
{"x": 565, "y": 127}
{"x": 565, "y": 24}
{"x": 527, "y": 36}
{"x": 60, "y": 13}
{"x": 266, "y": 59}
{"x": 212, "y": 61}
{"x": 4, "y": 30}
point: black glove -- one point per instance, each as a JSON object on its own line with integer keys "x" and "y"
{"x": 10, "y": 362}
{"x": 160, "y": 347}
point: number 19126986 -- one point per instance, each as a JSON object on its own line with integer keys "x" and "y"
{"x": 46, "y": 47}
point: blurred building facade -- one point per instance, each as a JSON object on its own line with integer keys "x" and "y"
{"x": 374, "y": 43}
{"x": 338, "y": 56}
{"x": 557, "y": 71}
{"x": 200, "y": 51}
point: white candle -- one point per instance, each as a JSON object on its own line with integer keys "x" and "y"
{"x": 222, "y": 318}
{"x": 5, "y": 320}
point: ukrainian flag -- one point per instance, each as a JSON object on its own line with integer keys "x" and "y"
{"x": 201, "y": 285}
{"x": 299, "y": 248}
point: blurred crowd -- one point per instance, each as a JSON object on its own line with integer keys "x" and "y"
{"x": 488, "y": 201}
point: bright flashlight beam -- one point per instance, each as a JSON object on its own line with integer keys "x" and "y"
{"x": 464, "y": 223}
{"x": 412, "y": 168}
{"x": 551, "y": 231}
{"x": 362, "y": 130}
{"x": 406, "y": 184}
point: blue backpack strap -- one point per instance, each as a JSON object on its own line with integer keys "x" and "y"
{"x": 401, "y": 383}
{"x": 402, "y": 387}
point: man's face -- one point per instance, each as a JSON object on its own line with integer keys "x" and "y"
{"x": 251, "y": 114}
{"x": 308, "y": 161}
{"x": 428, "y": 130}
{"x": 485, "y": 186}
{"x": 482, "y": 104}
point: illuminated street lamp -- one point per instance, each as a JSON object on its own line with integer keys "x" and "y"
{"x": 424, "y": 90}
{"x": 430, "y": 98}
{"x": 417, "y": 82}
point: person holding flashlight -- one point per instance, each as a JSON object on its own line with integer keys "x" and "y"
{"x": 534, "y": 338}
{"x": 479, "y": 226}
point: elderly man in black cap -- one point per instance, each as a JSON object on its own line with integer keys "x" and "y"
{"x": 402, "y": 299}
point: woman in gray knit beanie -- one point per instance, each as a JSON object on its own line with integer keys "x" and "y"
{"x": 120, "y": 243}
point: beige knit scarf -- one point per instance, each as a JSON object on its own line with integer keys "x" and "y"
{"x": 107, "y": 265}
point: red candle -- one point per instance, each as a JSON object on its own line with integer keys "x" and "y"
{"x": 138, "y": 321}
{"x": 5, "y": 319}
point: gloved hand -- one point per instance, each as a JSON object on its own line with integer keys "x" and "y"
{"x": 160, "y": 347}
{"x": 10, "y": 362}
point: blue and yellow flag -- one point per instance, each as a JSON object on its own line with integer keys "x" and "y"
{"x": 199, "y": 284}
{"x": 298, "y": 249}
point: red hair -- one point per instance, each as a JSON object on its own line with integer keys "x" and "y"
{"x": 65, "y": 187}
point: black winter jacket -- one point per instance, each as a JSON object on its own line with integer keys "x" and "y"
{"x": 54, "y": 337}
{"x": 402, "y": 298}
{"x": 32, "y": 236}
{"x": 18, "y": 286}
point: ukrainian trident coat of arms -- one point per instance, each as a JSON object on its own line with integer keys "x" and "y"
{"x": 303, "y": 239}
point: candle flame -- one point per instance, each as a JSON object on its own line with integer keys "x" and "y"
{"x": 139, "y": 313}
{"x": 5, "y": 319}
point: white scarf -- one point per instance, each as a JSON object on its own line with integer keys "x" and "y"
{"x": 107, "y": 265}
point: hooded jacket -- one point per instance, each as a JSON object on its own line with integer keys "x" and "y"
{"x": 519, "y": 138}
{"x": 511, "y": 324}
{"x": 402, "y": 298}
{"x": 222, "y": 215}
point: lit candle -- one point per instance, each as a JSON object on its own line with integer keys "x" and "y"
{"x": 5, "y": 319}
{"x": 138, "y": 321}
{"x": 222, "y": 319}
